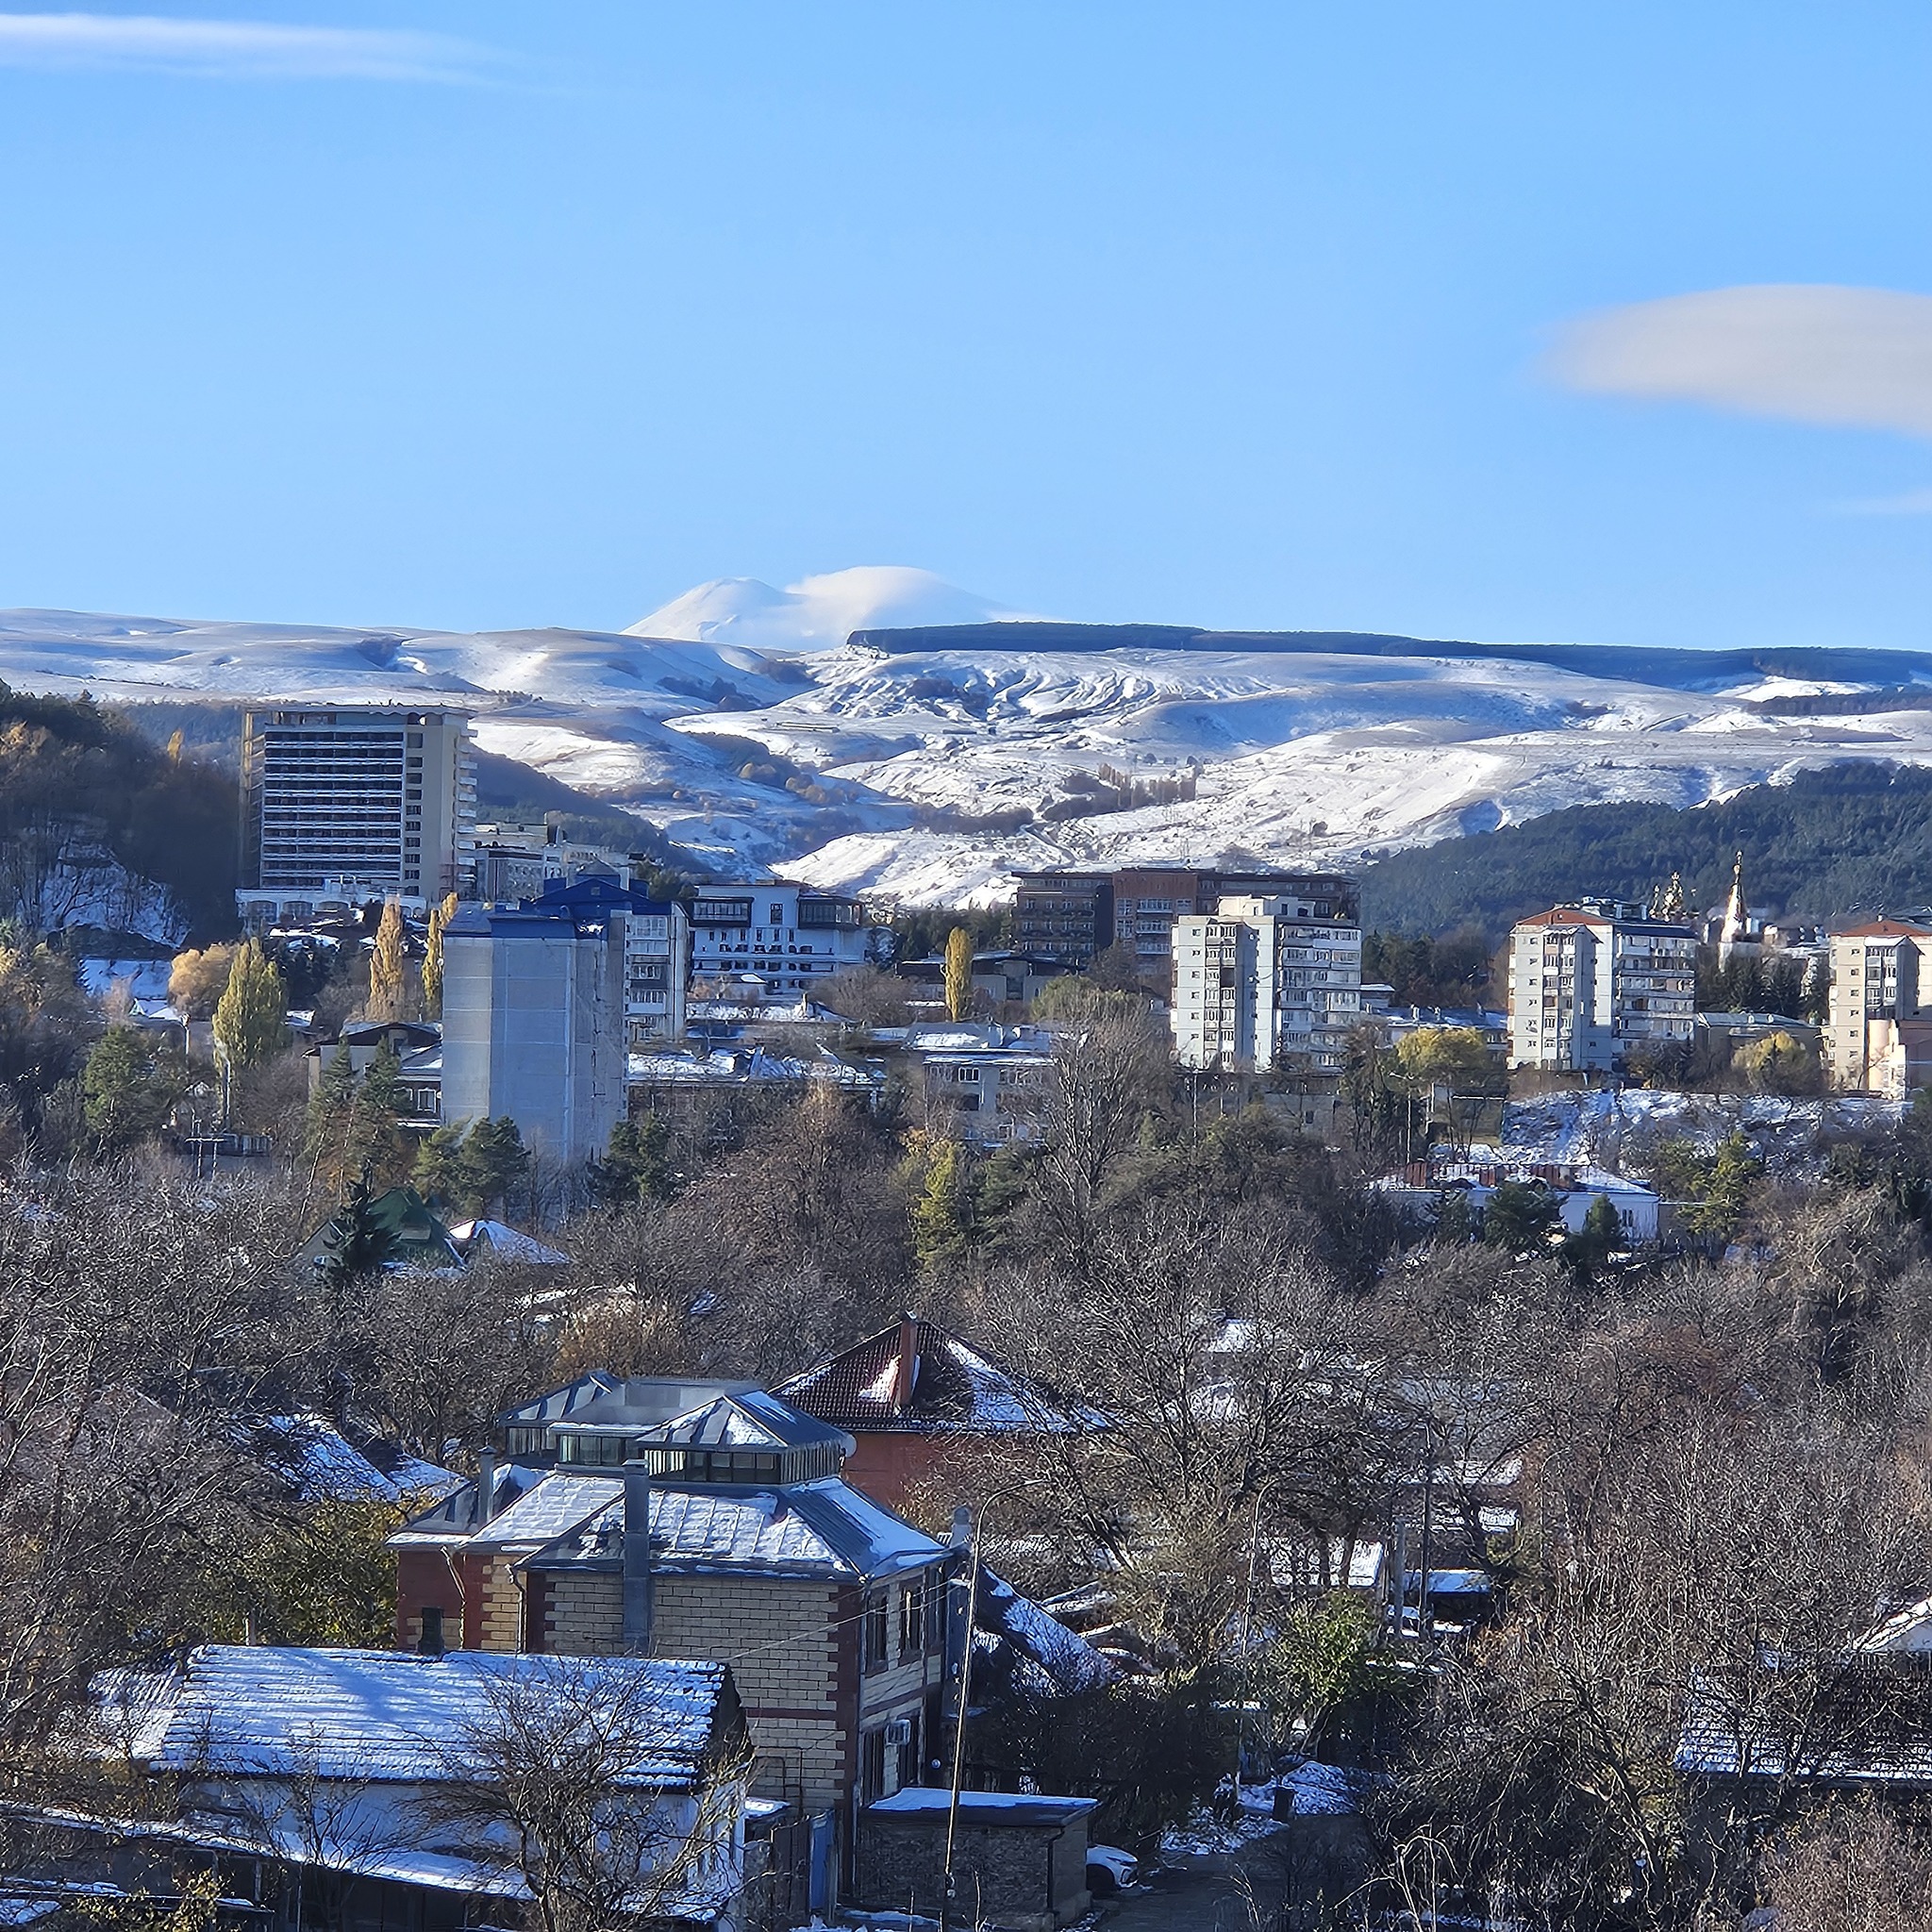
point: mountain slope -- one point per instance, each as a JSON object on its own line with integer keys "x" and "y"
{"x": 947, "y": 743}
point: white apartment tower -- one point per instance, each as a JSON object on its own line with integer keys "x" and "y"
{"x": 1587, "y": 983}
{"x": 1880, "y": 1037}
{"x": 343, "y": 804}
{"x": 1267, "y": 982}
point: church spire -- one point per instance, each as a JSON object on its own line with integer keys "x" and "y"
{"x": 1737, "y": 914}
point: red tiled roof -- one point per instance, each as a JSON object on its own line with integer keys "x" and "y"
{"x": 954, "y": 1389}
{"x": 1564, "y": 915}
{"x": 1886, "y": 929}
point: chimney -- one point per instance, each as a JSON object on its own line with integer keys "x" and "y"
{"x": 485, "y": 1486}
{"x": 907, "y": 1370}
{"x": 637, "y": 1557}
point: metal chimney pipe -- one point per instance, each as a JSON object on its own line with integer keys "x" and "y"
{"x": 485, "y": 1486}
{"x": 637, "y": 1557}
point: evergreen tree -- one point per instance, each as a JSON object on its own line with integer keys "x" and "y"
{"x": 439, "y": 916}
{"x": 494, "y": 1163}
{"x": 959, "y": 973}
{"x": 1733, "y": 1172}
{"x": 1453, "y": 1223}
{"x": 250, "y": 1017}
{"x": 938, "y": 1215}
{"x": 637, "y": 1167}
{"x": 1598, "y": 1239}
{"x": 127, "y": 1094}
{"x": 375, "y": 1139}
{"x": 331, "y": 1113}
{"x": 355, "y": 1245}
{"x": 439, "y": 1174}
{"x": 1519, "y": 1216}
{"x": 386, "y": 966}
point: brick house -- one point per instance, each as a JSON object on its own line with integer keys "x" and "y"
{"x": 709, "y": 1520}
{"x": 916, "y": 1399}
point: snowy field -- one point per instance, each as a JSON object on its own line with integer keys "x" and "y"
{"x": 713, "y": 716}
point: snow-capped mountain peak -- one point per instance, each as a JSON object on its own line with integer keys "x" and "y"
{"x": 816, "y": 612}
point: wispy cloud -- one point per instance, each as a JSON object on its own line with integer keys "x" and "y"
{"x": 1907, "y": 503}
{"x": 237, "y": 50}
{"x": 1808, "y": 353}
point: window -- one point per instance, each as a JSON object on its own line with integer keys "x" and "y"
{"x": 912, "y": 1617}
{"x": 875, "y": 1632}
{"x": 871, "y": 1767}
{"x": 431, "y": 1643}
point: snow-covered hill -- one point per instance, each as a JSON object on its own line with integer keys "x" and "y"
{"x": 741, "y": 721}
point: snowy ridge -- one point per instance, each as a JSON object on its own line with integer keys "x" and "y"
{"x": 740, "y": 720}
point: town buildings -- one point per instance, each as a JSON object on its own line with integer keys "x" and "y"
{"x": 1589, "y": 983}
{"x": 915, "y": 1399}
{"x": 790, "y": 937}
{"x": 657, "y": 949}
{"x": 1071, "y": 915}
{"x": 534, "y": 1023}
{"x": 1263, "y": 983}
{"x": 344, "y": 804}
{"x": 360, "y": 1788}
{"x": 1879, "y": 1036}
{"x": 695, "y": 1519}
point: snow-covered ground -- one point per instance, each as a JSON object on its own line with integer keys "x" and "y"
{"x": 713, "y": 717}
{"x": 1619, "y": 1131}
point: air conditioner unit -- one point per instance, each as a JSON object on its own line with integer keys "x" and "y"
{"x": 899, "y": 1731}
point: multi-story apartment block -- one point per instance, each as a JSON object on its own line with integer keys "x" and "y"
{"x": 791, "y": 937}
{"x": 656, "y": 950}
{"x": 702, "y": 1519}
{"x": 534, "y": 1023}
{"x": 1064, "y": 915}
{"x": 1268, "y": 982}
{"x": 1587, "y": 983}
{"x": 345, "y": 804}
{"x": 1072, "y": 915}
{"x": 1880, "y": 1037}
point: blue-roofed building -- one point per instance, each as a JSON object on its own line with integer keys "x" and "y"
{"x": 656, "y": 950}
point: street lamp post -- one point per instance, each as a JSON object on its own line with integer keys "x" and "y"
{"x": 949, "y": 1884}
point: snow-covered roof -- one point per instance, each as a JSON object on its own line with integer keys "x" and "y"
{"x": 954, "y": 1389}
{"x": 323, "y": 1463}
{"x": 982, "y": 1808}
{"x": 260, "y": 1711}
{"x": 1067, "y": 1658}
{"x": 824, "y": 1529}
{"x": 507, "y": 1243}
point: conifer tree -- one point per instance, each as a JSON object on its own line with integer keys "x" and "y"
{"x": 331, "y": 1109}
{"x": 495, "y": 1162}
{"x": 939, "y": 1221}
{"x": 439, "y": 1174}
{"x": 959, "y": 973}
{"x": 637, "y": 1166}
{"x": 250, "y": 1015}
{"x": 126, "y": 1093}
{"x": 386, "y": 966}
{"x": 374, "y": 1140}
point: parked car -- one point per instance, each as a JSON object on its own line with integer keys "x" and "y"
{"x": 1109, "y": 1870}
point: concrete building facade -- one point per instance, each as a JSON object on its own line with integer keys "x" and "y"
{"x": 1879, "y": 1039}
{"x": 790, "y": 937}
{"x": 1268, "y": 982}
{"x": 344, "y": 804}
{"x": 1589, "y": 983}
{"x": 534, "y": 1023}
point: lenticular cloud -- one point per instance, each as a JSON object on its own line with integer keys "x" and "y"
{"x": 1811, "y": 353}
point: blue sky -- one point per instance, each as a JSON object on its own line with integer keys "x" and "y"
{"x": 1236, "y": 314}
